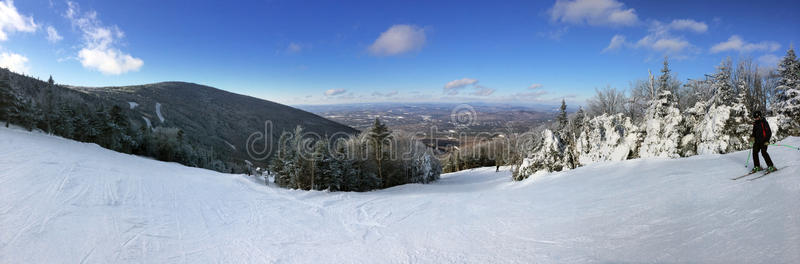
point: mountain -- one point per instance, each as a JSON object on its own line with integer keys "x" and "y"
{"x": 212, "y": 125}
{"x": 128, "y": 209}
{"x": 214, "y": 116}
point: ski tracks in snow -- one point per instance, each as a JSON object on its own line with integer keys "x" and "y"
{"x": 84, "y": 204}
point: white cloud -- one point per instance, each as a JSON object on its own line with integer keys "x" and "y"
{"x": 52, "y": 35}
{"x": 460, "y": 83}
{"x": 529, "y": 96}
{"x": 769, "y": 60}
{"x": 661, "y": 37}
{"x": 736, "y": 43}
{"x": 669, "y": 45}
{"x": 616, "y": 42}
{"x": 109, "y": 61}
{"x": 99, "y": 51}
{"x": 555, "y": 34}
{"x": 14, "y": 62}
{"x": 688, "y": 24}
{"x": 593, "y": 12}
{"x": 481, "y": 90}
{"x": 453, "y": 87}
{"x": 335, "y": 92}
{"x": 398, "y": 39}
{"x": 535, "y": 86}
{"x": 12, "y": 21}
{"x": 658, "y": 28}
{"x": 389, "y": 94}
{"x": 294, "y": 48}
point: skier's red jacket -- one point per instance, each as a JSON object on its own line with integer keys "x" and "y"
{"x": 761, "y": 131}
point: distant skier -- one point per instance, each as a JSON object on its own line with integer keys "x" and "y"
{"x": 760, "y": 138}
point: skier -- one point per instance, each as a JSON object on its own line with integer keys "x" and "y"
{"x": 760, "y": 138}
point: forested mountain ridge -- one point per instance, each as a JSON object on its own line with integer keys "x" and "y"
{"x": 192, "y": 124}
{"x": 215, "y": 116}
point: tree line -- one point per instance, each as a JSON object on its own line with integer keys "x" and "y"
{"x": 664, "y": 117}
{"x": 660, "y": 116}
{"x": 378, "y": 158}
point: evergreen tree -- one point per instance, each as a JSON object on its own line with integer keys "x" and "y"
{"x": 378, "y": 134}
{"x": 759, "y": 97}
{"x": 741, "y": 85}
{"x": 786, "y": 101}
{"x": 296, "y": 168}
{"x": 739, "y": 124}
{"x": 63, "y": 122}
{"x": 120, "y": 127}
{"x": 724, "y": 94}
{"x": 663, "y": 128}
{"x": 118, "y": 118}
{"x": 562, "y": 117}
{"x": 664, "y": 79}
{"x": 101, "y": 127}
{"x": 276, "y": 166}
{"x": 338, "y": 167}
{"x": 83, "y": 130}
{"x": 789, "y": 78}
{"x": 180, "y": 136}
{"x": 8, "y": 100}
{"x": 145, "y": 140}
{"x": 321, "y": 173}
{"x": 349, "y": 170}
{"x": 283, "y": 162}
{"x": 166, "y": 142}
{"x": 789, "y": 73}
{"x": 49, "y": 115}
{"x": 578, "y": 120}
{"x": 28, "y": 115}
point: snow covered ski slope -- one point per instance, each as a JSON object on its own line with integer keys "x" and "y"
{"x": 63, "y": 201}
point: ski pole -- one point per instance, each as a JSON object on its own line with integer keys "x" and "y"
{"x": 748, "y": 157}
{"x": 782, "y": 145}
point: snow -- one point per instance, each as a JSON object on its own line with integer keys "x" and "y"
{"x": 229, "y": 144}
{"x": 158, "y": 112}
{"x": 63, "y": 201}
{"x": 149, "y": 124}
{"x": 133, "y": 105}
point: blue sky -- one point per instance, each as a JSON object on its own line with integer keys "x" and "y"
{"x": 322, "y": 52}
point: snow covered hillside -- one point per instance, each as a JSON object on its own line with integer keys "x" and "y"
{"x": 63, "y": 201}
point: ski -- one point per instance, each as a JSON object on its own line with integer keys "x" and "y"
{"x": 743, "y": 176}
{"x": 764, "y": 174}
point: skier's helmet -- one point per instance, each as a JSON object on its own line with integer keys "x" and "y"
{"x": 757, "y": 114}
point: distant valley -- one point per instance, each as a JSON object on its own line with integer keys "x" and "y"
{"x": 450, "y": 122}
